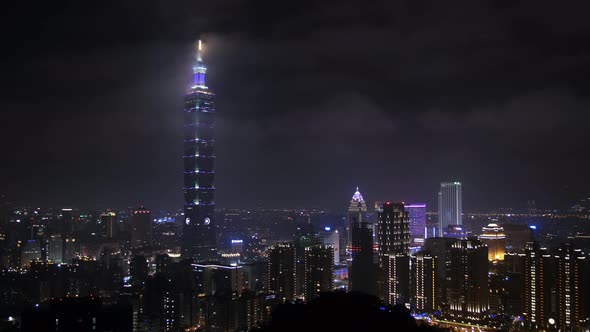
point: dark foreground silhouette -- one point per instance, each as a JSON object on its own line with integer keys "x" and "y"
{"x": 343, "y": 312}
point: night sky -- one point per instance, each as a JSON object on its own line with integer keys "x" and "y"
{"x": 313, "y": 99}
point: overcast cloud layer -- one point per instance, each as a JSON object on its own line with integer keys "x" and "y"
{"x": 314, "y": 98}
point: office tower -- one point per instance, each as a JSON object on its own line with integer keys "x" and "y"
{"x": 417, "y": 215}
{"x": 493, "y": 236}
{"x": 394, "y": 251}
{"x": 440, "y": 249}
{"x": 281, "y": 271}
{"x": 572, "y": 288}
{"x": 67, "y": 221}
{"x": 109, "y": 223}
{"x": 398, "y": 279}
{"x": 362, "y": 272}
{"x": 304, "y": 237}
{"x": 198, "y": 238}
{"x": 56, "y": 248}
{"x": 394, "y": 231}
{"x": 538, "y": 280}
{"x": 356, "y": 215}
{"x": 331, "y": 237}
{"x": 424, "y": 282}
{"x": 467, "y": 280}
{"x": 319, "y": 267}
{"x": 450, "y": 206}
{"x": 31, "y": 251}
{"x": 517, "y": 237}
{"x": 141, "y": 227}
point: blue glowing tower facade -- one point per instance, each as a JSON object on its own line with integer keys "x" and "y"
{"x": 198, "y": 239}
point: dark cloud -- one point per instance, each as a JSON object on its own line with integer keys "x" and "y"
{"x": 314, "y": 98}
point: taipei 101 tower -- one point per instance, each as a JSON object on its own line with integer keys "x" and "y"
{"x": 198, "y": 238}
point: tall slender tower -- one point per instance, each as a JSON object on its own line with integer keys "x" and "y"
{"x": 467, "y": 281}
{"x": 394, "y": 252}
{"x": 356, "y": 214}
{"x": 198, "y": 240}
{"x": 450, "y": 206}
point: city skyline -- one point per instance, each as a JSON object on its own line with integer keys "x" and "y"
{"x": 137, "y": 198}
{"x": 104, "y": 128}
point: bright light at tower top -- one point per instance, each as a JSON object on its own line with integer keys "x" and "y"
{"x": 200, "y": 46}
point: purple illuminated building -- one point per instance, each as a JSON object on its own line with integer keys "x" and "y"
{"x": 198, "y": 238}
{"x": 417, "y": 213}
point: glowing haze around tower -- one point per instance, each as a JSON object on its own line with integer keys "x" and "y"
{"x": 198, "y": 239}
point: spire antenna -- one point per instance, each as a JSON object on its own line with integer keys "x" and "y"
{"x": 199, "y": 49}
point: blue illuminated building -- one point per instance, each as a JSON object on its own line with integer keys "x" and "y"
{"x": 198, "y": 240}
{"x": 417, "y": 214}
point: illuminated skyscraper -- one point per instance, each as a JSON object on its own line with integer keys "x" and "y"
{"x": 282, "y": 271}
{"x": 319, "y": 267}
{"x": 417, "y": 214}
{"x": 450, "y": 206}
{"x": 572, "y": 288}
{"x": 198, "y": 240}
{"x": 493, "y": 235}
{"x": 356, "y": 215}
{"x": 424, "y": 282}
{"x": 538, "y": 272}
{"x": 394, "y": 251}
{"x": 467, "y": 280}
{"x": 394, "y": 231}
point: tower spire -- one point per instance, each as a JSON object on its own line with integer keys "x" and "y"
{"x": 199, "y": 50}
{"x": 199, "y": 69}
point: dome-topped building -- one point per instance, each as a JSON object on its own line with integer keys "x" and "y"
{"x": 356, "y": 214}
{"x": 493, "y": 235}
{"x": 357, "y": 197}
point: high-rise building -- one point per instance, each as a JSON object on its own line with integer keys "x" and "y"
{"x": 467, "y": 280}
{"x": 319, "y": 267}
{"x": 282, "y": 271}
{"x": 424, "y": 282}
{"x": 31, "y": 251}
{"x": 450, "y": 205}
{"x": 394, "y": 251}
{"x": 417, "y": 215}
{"x": 394, "y": 231}
{"x": 538, "y": 279}
{"x": 109, "y": 223}
{"x": 398, "y": 279}
{"x": 440, "y": 248}
{"x": 56, "y": 248}
{"x": 517, "y": 237}
{"x": 67, "y": 221}
{"x": 572, "y": 288}
{"x": 493, "y": 236}
{"x": 362, "y": 271}
{"x": 198, "y": 238}
{"x": 356, "y": 215}
{"x": 141, "y": 223}
{"x": 330, "y": 237}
